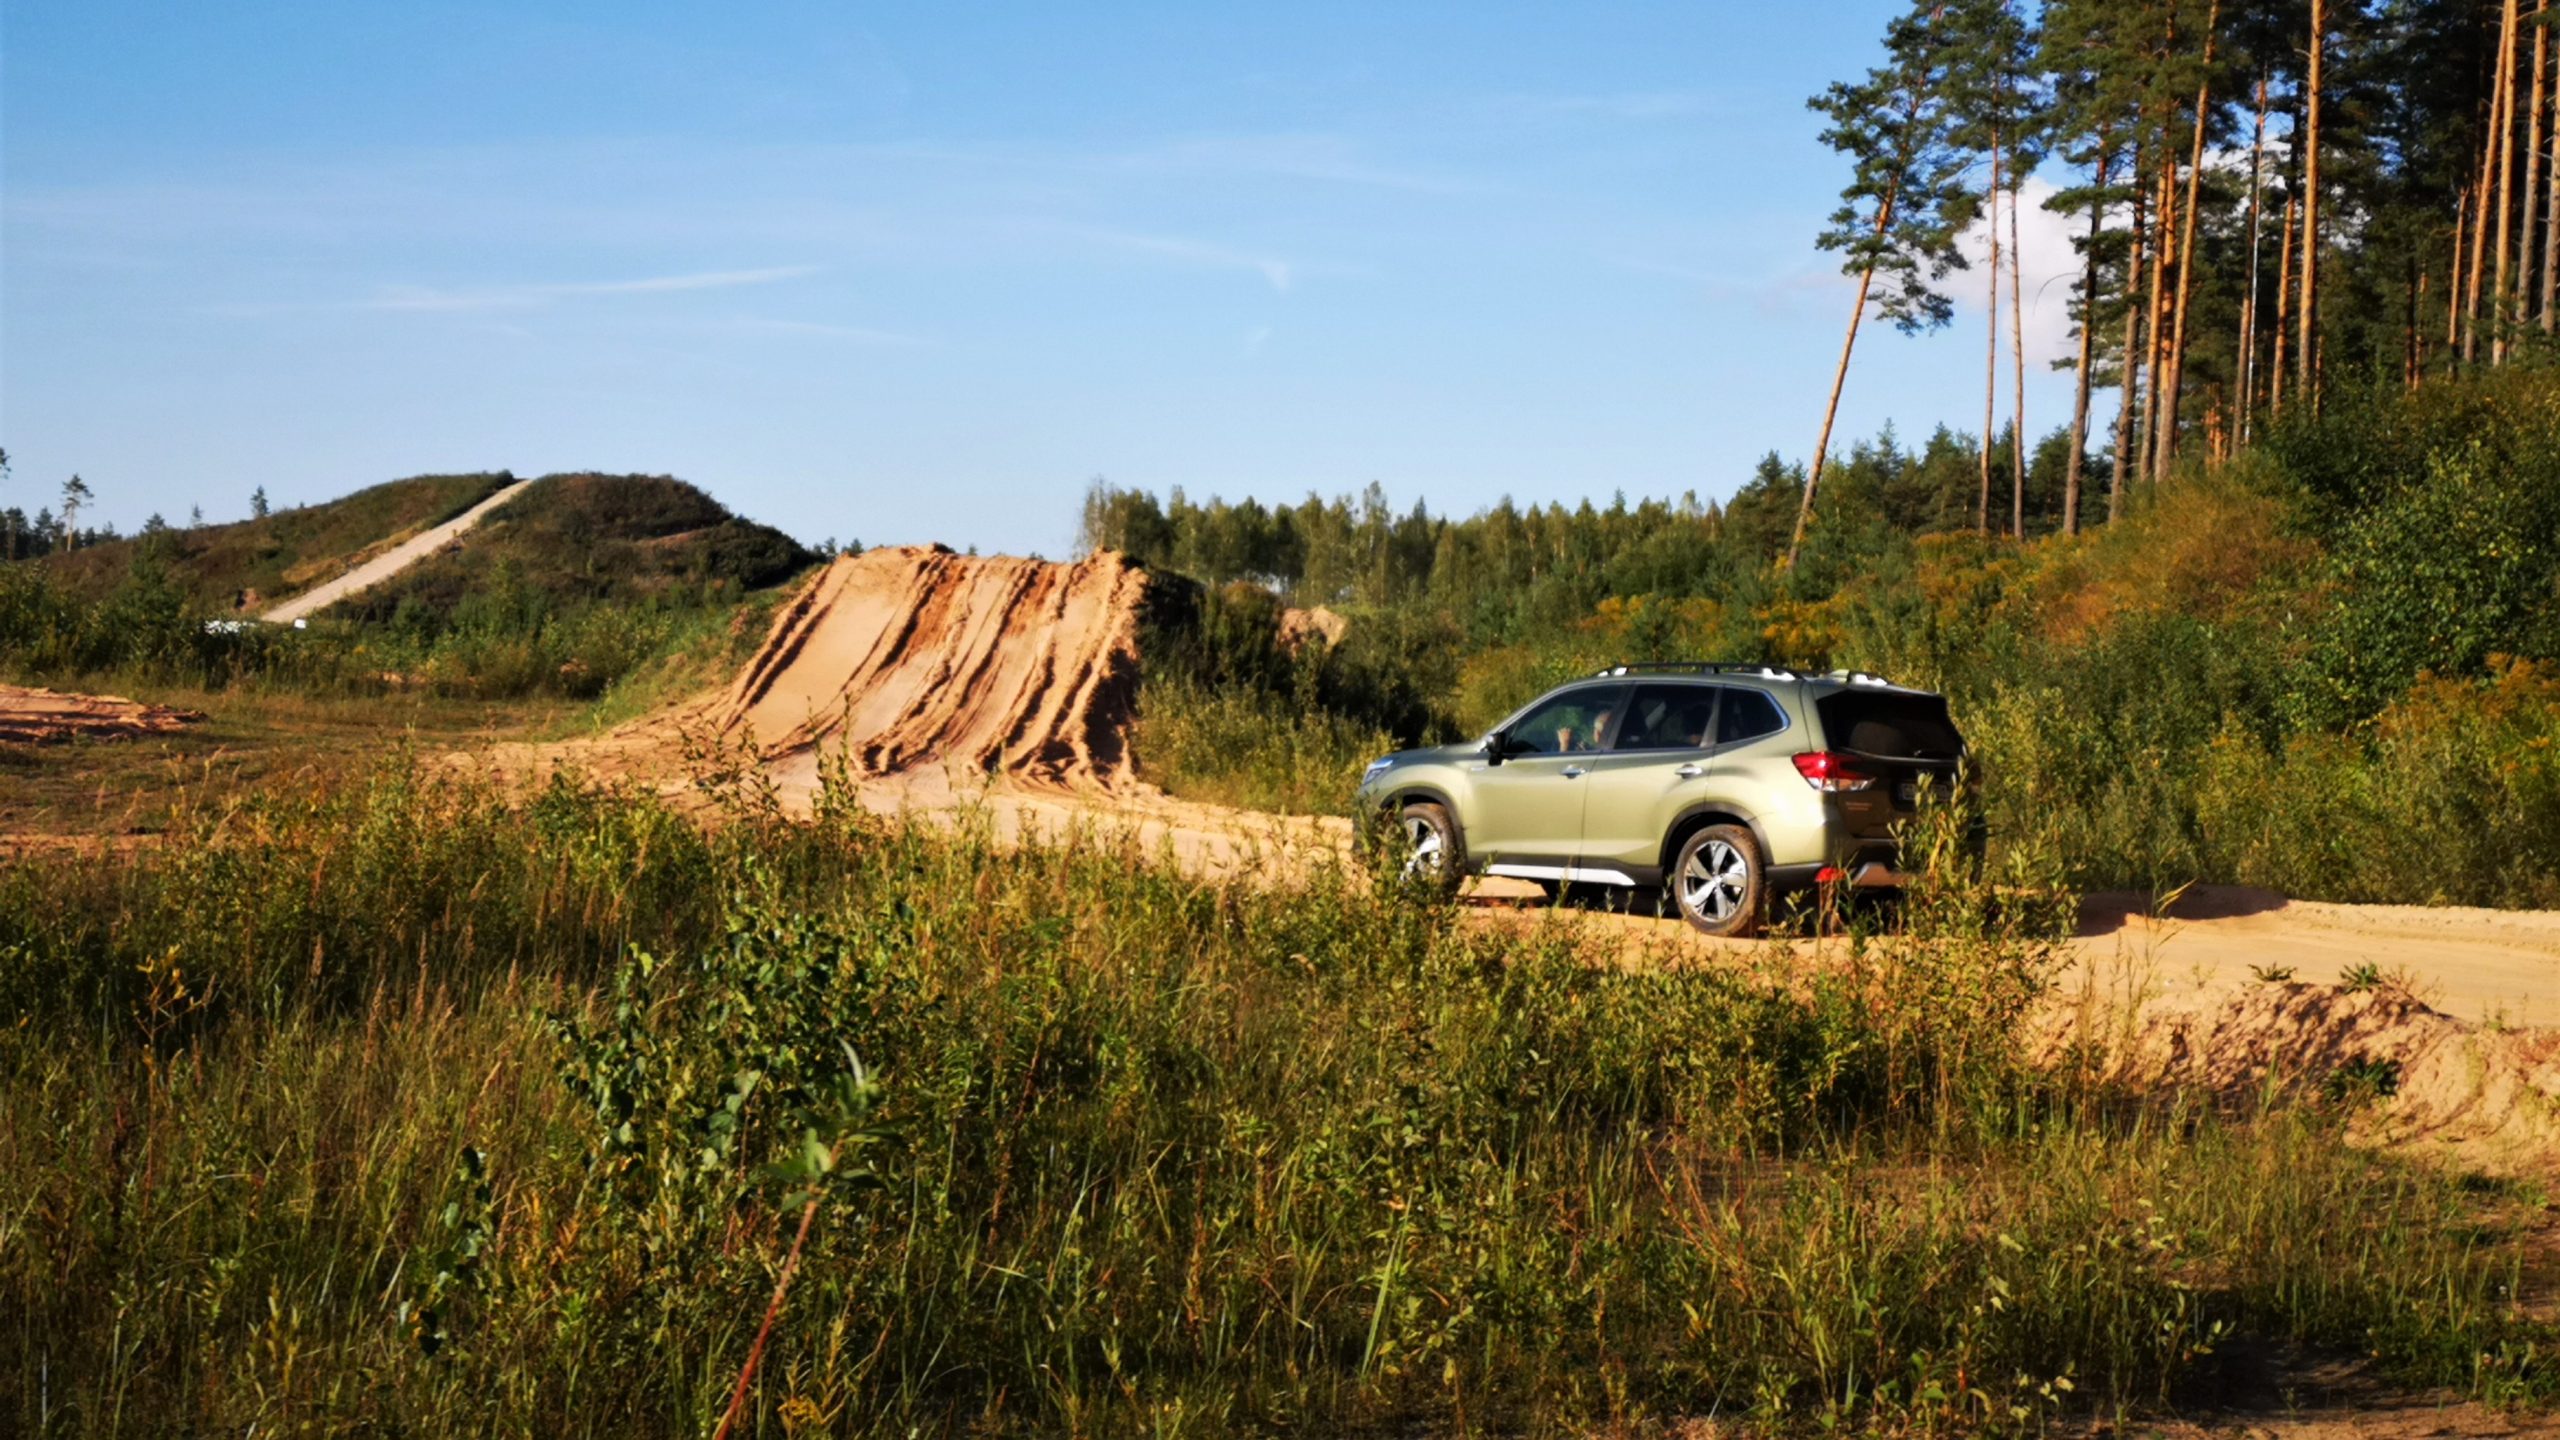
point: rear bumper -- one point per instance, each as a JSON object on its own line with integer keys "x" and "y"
{"x": 1857, "y": 864}
{"x": 1859, "y": 875}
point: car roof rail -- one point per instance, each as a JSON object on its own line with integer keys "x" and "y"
{"x": 1704, "y": 667}
{"x": 1741, "y": 667}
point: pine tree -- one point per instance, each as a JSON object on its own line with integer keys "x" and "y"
{"x": 1896, "y": 220}
{"x": 75, "y": 498}
{"x": 1993, "y": 114}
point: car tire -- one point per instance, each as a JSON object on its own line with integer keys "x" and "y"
{"x": 1719, "y": 883}
{"x": 1429, "y": 852}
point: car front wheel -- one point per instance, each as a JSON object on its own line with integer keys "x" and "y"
{"x": 1719, "y": 882}
{"x": 1431, "y": 855}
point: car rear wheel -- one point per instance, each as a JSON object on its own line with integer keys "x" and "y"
{"x": 1719, "y": 883}
{"x": 1431, "y": 854}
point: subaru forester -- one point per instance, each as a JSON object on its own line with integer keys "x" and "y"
{"x": 1722, "y": 785}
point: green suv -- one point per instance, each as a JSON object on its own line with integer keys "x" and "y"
{"x": 1721, "y": 784}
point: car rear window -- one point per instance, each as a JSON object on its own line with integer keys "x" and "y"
{"x": 1748, "y": 715}
{"x": 1899, "y": 726}
{"x": 1667, "y": 717}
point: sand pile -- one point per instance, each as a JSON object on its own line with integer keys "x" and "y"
{"x": 38, "y": 717}
{"x": 903, "y": 659}
{"x": 2489, "y": 1095}
{"x": 1297, "y": 627}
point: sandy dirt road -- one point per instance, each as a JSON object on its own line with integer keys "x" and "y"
{"x": 389, "y": 563}
{"x": 30, "y": 716}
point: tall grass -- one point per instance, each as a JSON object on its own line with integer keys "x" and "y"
{"x": 1252, "y": 748}
{"x": 397, "y": 1107}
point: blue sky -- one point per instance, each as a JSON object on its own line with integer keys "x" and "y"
{"x": 919, "y": 272}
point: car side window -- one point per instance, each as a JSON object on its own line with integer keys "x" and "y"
{"x": 1667, "y": 717}
{"x": 1748, "y": 715}
{"x": 1573, "y": 721}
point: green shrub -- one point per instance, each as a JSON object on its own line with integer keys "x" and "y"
{"x": 1251, "y": 749}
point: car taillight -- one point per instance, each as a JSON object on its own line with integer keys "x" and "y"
{"x": 1830, "y": 770}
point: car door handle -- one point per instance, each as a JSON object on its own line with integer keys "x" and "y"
{"x": 1690, "y": 771}
{"x": 1573, "y": 772}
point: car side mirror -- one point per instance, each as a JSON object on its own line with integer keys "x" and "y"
{"x": 1496, "y": 748}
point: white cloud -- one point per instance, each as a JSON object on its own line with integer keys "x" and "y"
{"x": 2048, "y": 274}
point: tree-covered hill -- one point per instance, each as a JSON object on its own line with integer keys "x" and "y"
{"x": 582, "y": 539}
{"x": 249, "y": 564}
{"x": 574, "y": 584}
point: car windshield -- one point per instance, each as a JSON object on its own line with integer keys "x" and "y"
{"x": 1893, "y": 725}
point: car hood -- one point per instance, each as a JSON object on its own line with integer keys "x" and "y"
{"x": 1437, "y": 754}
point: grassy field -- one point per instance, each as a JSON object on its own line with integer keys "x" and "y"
{"x": 250, "y": 739}
{"x": 382, "y": 1105}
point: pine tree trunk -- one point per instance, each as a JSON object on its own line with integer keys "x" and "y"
{"x": 2155, "y": 334}
{"x": 2416, "y": 284}
{"x": 2186, "y": 259}
{"x": 2453, "y": 285}
{"x": 2248, "y": 353}
{"x": 2551, "y": 231}
{"x": 2018, "y": 358}
{"x": 2480, "y": 231}
{"x": 2503, "y": 133}
{"x": 2533, "y": 171}
{"x": 1840, "y": 376}
{"x": 1991, "y": 340}
{"x": 2130, "y": 368}
{"x": 2284, "y": 311}
{"x": 2074, "y": 464}
{"x": 2310, "y": 307}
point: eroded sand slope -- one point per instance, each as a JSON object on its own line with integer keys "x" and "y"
{"x": 899, "y": 659}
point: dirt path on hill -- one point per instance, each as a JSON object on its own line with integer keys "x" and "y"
{"x": 389, "y": 563}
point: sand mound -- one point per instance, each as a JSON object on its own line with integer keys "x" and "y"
{"x": 904, "y": 659}
{"x": 38, "y": 717}
{"x": 2492, "y": 1096}
{"x": 1299, "y": 626}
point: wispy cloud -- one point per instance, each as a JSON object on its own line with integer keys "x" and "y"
{"x": 1624, "y": 105}
{"x": 1275, "y": 271}
{"x": 1324, "y": 159}
{"x": 519, "y": 297}
{"x": 858, "y": 334}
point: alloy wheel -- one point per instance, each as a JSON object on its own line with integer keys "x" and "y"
{"x": 1426, "y": 849}
{"x": 1714, "y": 882}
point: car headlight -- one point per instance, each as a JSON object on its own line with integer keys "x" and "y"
{"x": 1376, "y": 769}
